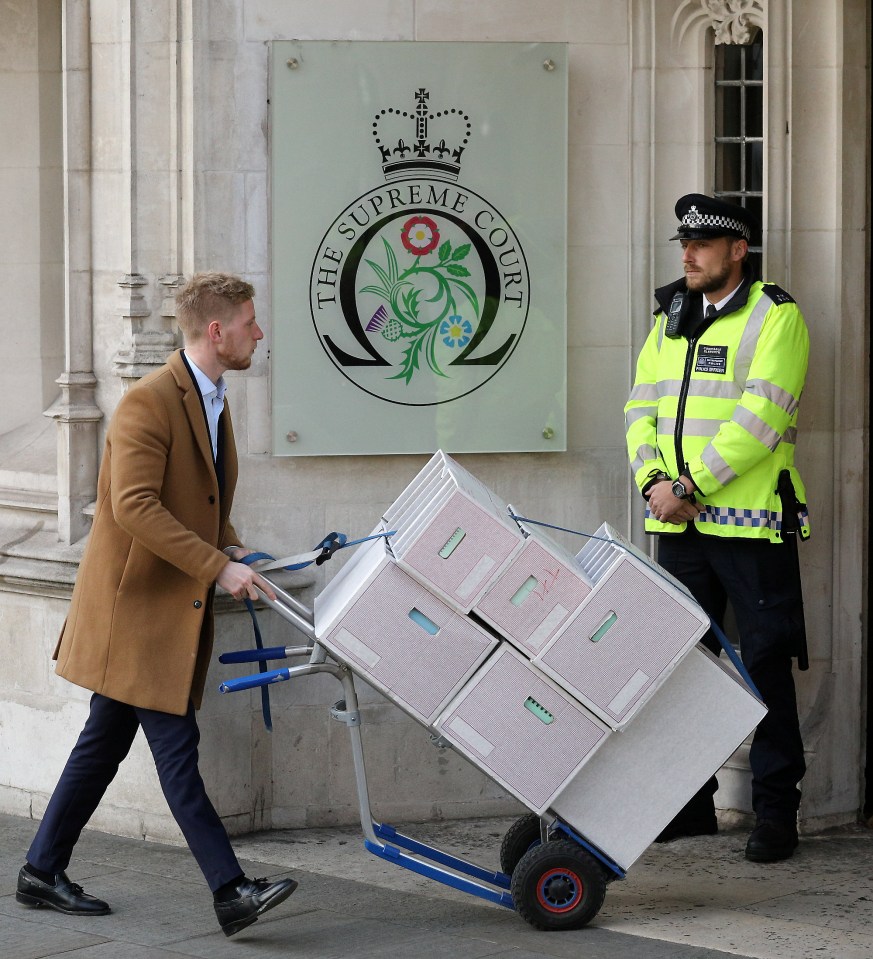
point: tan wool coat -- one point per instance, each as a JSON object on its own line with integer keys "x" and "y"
{"x": 140, "y": 629}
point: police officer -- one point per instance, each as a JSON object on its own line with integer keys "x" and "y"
{"x": 711, "y": 429}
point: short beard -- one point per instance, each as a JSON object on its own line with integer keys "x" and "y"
{"x": 713, "y": 283}
{"x": 242, "y": 363}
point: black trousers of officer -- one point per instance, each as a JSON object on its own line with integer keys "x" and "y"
{"x": 102, "y": 745}
{"x": 761, "y": 580}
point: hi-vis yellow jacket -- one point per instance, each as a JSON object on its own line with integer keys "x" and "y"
{"x": 719, "y": 403}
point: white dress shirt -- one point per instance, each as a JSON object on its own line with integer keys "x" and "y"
{"x": 213, "y": 400}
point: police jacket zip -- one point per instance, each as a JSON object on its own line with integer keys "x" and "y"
{"x": 683, "y": 393}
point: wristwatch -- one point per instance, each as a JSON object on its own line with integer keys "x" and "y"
{"x": 656, "y": 476}
{"x": 679, "y": 490}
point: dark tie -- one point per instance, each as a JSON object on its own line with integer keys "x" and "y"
{"x": 710, "y": 312}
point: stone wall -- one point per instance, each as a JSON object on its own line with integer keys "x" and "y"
{"x": 173, "y": 177}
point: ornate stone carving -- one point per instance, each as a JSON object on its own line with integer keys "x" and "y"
{"x": 733, "y": 21}
{"x": 147, "y": 348}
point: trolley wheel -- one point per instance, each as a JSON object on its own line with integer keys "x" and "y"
{"x": 522, "y": 835}
{"x": 558, "y": 885}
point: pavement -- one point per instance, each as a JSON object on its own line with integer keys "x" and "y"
{"x": 694, "y": 898}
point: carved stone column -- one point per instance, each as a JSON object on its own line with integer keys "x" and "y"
{"x": 150, "y": 160}
{"x": 75, "y": 411}
{"x": 77, "y": 418}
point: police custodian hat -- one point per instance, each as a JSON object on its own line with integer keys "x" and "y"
{"x": 702, "y": 217}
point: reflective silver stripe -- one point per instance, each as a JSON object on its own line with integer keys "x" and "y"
{"x": 643, "y": 391}
{"x": 749, "y": 340}
{"x": 698, "y": 426}
{"x": 717, "y": 465}
{"x": 644, "y": 455}
{"x": 639, "y": 413}
{"x": 666, "y": 425}
{"x": 774, "y": 394}
{"x": 715, "y": 389}
{"x": 757, "y": 427}
{"x": 731, "y": 516}
{"x": 669, "y": 387}
{"x": 790, "y": 435}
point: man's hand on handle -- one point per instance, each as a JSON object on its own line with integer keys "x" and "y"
{"x": 240, "y": 580}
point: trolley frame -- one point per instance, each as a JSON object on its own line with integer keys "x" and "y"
{"x": 382, "y": 839}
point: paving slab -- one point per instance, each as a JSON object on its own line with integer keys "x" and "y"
{"x": 690, "y": 899}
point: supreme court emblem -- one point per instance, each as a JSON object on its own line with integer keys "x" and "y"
{"x": 418, "y": 247}
{"x": 419, "y": 290}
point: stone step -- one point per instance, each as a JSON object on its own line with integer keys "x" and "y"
{"x": 28, "y": 475}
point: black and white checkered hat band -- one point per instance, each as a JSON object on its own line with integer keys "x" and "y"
{"x": 695, "y": 220}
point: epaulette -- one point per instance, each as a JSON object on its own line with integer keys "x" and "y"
{"x": 777, "y": 294}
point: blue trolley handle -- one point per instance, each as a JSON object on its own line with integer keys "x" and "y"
{"x": 323, "y": 552}
{"x": 254, "y": 655}
{"x": 257, "y": 679}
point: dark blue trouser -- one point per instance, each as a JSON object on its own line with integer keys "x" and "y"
{"x": 761, "y": 581}
{"x": 102, "y": 745}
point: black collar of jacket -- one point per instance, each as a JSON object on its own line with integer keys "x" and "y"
{"x": 691, "y": 315}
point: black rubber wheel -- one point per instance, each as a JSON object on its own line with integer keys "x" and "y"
{"x": 522, "y": 835}
{"x": 558, "y": 885}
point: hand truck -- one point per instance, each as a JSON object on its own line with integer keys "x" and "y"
{"x": 549, "y": 874}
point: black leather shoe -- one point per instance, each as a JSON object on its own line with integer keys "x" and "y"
{"x": 253, "y": 897}
{"x": 679, "y": 827}
{"x": 65, "y": 896}
{"x": 771, "y": 841}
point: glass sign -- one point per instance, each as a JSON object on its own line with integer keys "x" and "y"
{"x": 419, "y": 247}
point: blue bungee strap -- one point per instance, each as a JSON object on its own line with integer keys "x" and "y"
{"x": 322, "y": 552}
{"x": 262, "y": 666}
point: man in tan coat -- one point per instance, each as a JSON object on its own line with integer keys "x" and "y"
{"x": 139, "y": 631}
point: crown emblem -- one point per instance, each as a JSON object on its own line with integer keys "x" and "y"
{"x": 434, "y": 145}
{"x": 692, "y": 217}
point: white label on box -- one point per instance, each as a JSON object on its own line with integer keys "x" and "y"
{"x": 354, "y": 645}
{"x": 547, "y": 627}
{"x": 475, "y": 576}
{"x": 466, "y": 732}
{"x": 628, "y": 691}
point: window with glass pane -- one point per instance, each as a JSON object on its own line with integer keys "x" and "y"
{"x": 739, "y": 128}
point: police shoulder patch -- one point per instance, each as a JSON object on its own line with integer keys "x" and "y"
{"x": 777, "y": 294}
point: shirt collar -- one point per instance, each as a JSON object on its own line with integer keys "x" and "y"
{"x": 204, "y": 384}
{"x": 722, "y": 302}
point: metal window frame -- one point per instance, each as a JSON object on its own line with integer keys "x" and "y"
{"x": 742, "y": 83}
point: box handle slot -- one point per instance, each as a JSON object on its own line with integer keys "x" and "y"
{"x": 452, "y": 543}
{"x": 523, "y": 591}
{"x": 539, "y": 711}
{"x": 428, "y": 625}
{"x": 604, "y": 627}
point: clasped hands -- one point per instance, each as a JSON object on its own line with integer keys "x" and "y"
{"x": 668, "y": 508}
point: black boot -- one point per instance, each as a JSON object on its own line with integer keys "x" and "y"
{"x": 771, "y": 841}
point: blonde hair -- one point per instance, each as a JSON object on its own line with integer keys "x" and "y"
{"x": 206, "y": 297}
